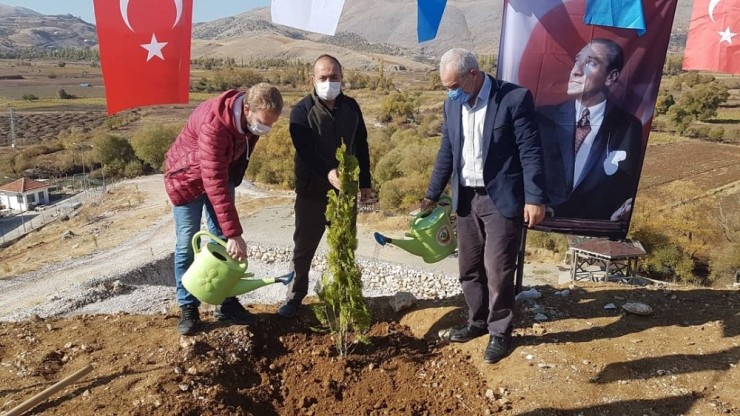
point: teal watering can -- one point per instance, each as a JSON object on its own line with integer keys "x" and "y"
{"x": 430, "y": 236}
{"x": 215, "y": 276}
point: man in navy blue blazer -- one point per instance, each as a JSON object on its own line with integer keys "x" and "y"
{"x": 491, "y": 156}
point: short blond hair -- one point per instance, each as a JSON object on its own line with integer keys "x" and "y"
{"x": 264, "y": 96}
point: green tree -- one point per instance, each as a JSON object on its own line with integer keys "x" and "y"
{"x": 151, "y": 141}
{"x": 680, "y": 118}
{"x": 703, "y": 100}
{"x": 342, "y": 306}
{"x": 114, "y": 153}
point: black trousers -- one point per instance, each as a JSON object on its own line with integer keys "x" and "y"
{"x": 488, "y": 244}
{"x": 310, "y": 224}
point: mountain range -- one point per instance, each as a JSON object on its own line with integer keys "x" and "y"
{"x": 368, "y": 30}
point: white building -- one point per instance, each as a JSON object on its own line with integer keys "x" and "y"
{"x": 23, "y": 194}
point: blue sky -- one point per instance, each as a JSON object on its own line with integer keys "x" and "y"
{"x": 204, "y": 10}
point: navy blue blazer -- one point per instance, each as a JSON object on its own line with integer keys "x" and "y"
{"x": 612, "y": 168}
{"x": 513, "y": 169}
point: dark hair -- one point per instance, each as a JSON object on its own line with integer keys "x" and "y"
{"x": 614, "y": 53}
{"x": 327, "y": 56}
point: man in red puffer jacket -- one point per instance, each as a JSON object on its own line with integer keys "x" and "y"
{"x": 203, "y": 166}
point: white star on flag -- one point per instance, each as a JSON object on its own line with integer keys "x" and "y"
{"x": 726, "y": 36}
{"x": 154, "y": 48}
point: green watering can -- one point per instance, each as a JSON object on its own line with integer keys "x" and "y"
{"x": 431, "y": 235}
{"x": 215, "y": 276}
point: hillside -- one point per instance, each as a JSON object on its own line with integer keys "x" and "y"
{"x": 24, "y": 28}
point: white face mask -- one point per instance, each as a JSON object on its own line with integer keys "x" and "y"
{"x": 328, "y": 90}
{"x": 259, "y": 129}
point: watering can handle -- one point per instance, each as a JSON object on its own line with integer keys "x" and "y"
{"x": 444, "y": 201}
{"x": 196, "y": 240}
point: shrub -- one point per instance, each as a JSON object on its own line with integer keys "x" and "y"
{"x": 224, "y": 79}
{"x": 380, "y": 144}
{"x": 725, "y": 263}
{"x": 400, "y": 194}
{"x": 557, "y": 243}
{"x": 407, "y": 164}
{"x": 133, "y": 169}
{"x": 272, "y": 159}
{"x": 430, "y": 125}
{"x": 716, "y": 133}
{"x": 697, "y": 132}
{"x": 151, "y": 141}
{"x": 679, "y": 118}
{"x": 110, "y": 149}
{"x": 675, "y": 233}
{"x": 732, "y": 135}
{"x": 664, "y": 102}
{"x": 29, "y": 97}
{"x": 63, "y": 95}
{"x": 399, "y": 104}
{"x": 121, "y": 120}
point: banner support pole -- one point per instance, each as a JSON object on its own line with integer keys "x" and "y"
{"x": 519, "y": 277}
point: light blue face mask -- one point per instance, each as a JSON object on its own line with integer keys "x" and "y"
{"x": 458, "y": 94}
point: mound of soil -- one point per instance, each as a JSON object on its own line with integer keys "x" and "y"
{"x": 585, "y": 359}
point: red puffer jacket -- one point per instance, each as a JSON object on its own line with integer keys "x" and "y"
{"x": 207, "y": 154}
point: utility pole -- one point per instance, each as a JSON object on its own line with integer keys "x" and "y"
{"x": 13, "y": 135}
{"x": 84, "y": 175}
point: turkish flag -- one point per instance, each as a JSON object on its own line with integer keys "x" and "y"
{"x": 713, "y": 43}
{"x": 144, "y": 51}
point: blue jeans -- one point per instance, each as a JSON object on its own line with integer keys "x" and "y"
{"x": 187, "y": 223}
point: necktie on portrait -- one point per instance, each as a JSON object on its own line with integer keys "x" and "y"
{"x": 582, "y": 129}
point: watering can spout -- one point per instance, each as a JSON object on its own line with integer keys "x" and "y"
{"x": 245, "y": 285}
{"x": 411, "y": 245}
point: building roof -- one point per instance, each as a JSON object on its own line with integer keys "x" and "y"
{"x": 23, "y": 185}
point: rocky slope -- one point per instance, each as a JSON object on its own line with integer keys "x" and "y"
{"x": 24, "y": 28}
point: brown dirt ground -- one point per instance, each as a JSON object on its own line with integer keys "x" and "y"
{"x": 586, "y": 360}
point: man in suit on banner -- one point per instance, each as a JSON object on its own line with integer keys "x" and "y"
{"x": 592, "y": 148}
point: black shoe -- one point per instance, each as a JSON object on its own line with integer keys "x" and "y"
{"x": 189, "y": 320}
{"x": 233, "y": 312}
{"x": 498, "y": 348}
{"x": 289, "y": 309}
{"x": 466, "y": 333}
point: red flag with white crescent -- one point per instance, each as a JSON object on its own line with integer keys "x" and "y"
{"x": 713, "y": 41}
{"x": 144, "y": 51}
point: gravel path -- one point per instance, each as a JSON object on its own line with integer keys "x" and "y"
{"x": 136, "y": 277}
